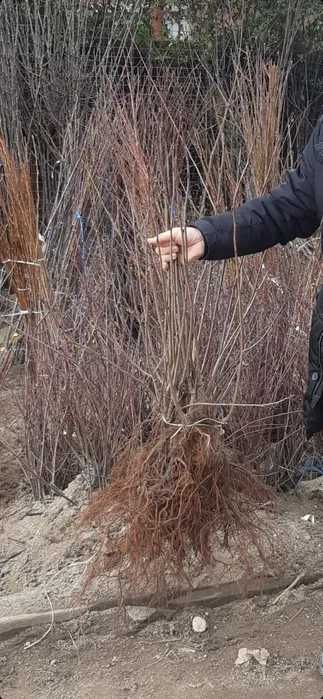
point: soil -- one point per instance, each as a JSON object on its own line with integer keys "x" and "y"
{"x": 11, "y": 427}
{"x": 114, "y": 654}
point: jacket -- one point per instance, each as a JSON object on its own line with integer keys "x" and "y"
{"x": 292, "y": 210}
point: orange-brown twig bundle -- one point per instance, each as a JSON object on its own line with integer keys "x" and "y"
{"x": 20, "y": 250}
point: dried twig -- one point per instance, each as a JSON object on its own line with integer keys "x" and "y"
{"x": 286, "y": 592}
{"x": 29, "y": 644}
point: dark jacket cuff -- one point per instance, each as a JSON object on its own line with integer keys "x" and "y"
{"x": 217, "y": 235}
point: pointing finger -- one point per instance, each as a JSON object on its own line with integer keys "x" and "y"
{"x": 170, "y": 237}
{"x": 162, "y": 239}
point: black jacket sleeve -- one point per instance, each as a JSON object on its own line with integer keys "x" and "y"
{"x": 288, "y": 212}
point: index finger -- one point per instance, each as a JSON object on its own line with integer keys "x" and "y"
{"x": 162, "y": 239}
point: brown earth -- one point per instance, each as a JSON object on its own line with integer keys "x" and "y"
{"x": 11, "y": 426}
{"x": 102, "y": 656}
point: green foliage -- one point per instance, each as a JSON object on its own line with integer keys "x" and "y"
{"x": 257, "y": 23}
{"x": 205, "y": 22}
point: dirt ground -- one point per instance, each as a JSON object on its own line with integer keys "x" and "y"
{"x": 11, "y": 426}
{"x": 104, "y": 656}
{"x": 120, "y": 653}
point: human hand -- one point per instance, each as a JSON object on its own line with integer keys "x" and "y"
{"x": 175, "y": 244}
